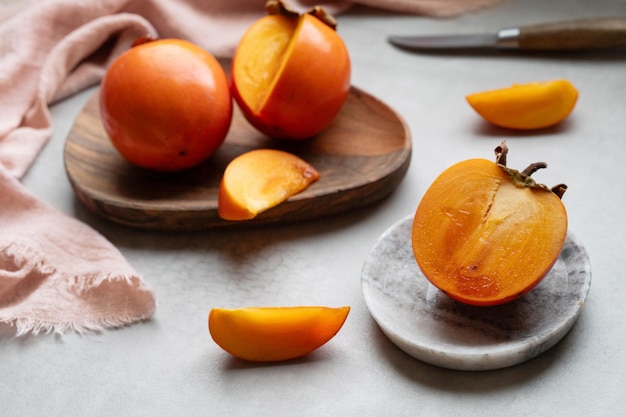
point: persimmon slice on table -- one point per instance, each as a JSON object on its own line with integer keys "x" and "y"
{"x": 270, "y": 334}
{"x": 526, "y": 106}
{"x": 485, "y": 234}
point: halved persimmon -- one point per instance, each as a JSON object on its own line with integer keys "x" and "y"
{"x": 485, "y": 234}
{"x": 291, "y": 72}
{"x": 260, "y": 179}
{"x": 269, "y": 334}
{"x": 526, "y": 106}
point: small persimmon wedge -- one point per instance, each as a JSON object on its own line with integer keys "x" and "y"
{"x": 527, "y": 106}
{"x": 486, "y": 234}
{"x": 270, "y": 334}
{"x": 260, "y": 179}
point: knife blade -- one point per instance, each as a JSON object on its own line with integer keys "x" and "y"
{"x": 581, "y": 34}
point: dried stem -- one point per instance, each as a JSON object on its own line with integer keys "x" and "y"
{"x": 523, "y": 179}
{"x": 501, "y": 152}
{"x": 278, "y": 7}
{"x": 532, "y": 168}
{"x": 559, "y": 190}
{"x": 324, "y": 16}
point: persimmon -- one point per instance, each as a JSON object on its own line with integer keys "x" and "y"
{"x": 166, "y": 104}
{"x": 269, "y": 334}
{"x": 260, "y": 179}
{"x": 526, "y": 106}
{"x": 291, "y": 72}
{"x": 485, "y": 234}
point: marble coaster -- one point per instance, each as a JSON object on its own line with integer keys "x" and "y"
{"x": 430, "y": 326}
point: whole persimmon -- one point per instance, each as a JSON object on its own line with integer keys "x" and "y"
{"x": 166, "y": 104}
{"x": 485, "y": 234}
{"x": 291, "y": 72}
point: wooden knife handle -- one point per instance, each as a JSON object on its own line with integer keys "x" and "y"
{"x": 575, "y": 34}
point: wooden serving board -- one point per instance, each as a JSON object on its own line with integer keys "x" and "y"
{"x": 361, "y": 157}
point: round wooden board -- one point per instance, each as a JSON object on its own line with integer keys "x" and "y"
{"x": 361, "y": 157}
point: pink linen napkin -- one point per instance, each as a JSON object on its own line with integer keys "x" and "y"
{"x": 55, "y": 272}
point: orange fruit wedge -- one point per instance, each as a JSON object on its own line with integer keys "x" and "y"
{"x": 261, "y": 179}
{"x": 269, "y": 334}
{"x": 526, "y": 106}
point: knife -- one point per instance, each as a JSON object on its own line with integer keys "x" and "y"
{"x": 569, "y": 35}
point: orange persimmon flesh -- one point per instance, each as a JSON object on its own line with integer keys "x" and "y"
{"x": 270, "y": 334}
{"x": 272, "y": 36}
{"x": 260, "y": 179}
{"x": 526, "y": 106}
{"x": 482, "y": 237}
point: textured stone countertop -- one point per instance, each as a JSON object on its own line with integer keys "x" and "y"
{"x": 169, "y": 366}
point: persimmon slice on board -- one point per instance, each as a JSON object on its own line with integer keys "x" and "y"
{"x": 261, "y": 179}
{"x": 526, "y": 106}
{"x": 485, "y": 234}
{"x": 269, "y": 334}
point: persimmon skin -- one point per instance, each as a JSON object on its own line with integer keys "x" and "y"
{"x": 166, "y": 104}
{"x": 271, "y": 334}
{"x": 300, "y": 76}
{"x": 482, "y": 239}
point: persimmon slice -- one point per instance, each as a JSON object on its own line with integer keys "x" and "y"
{"x": 269, "y": 334}
{"x": 261, "y": 179}
{"x": 526, "y": 106}
{"x": 485, "y": 234}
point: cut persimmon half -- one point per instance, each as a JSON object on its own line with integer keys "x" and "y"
{"x": 270, "y": 334}
{"x": 485, "y": 234}
{"x": 526, "y": 106}
{"x": 260, "y": 179}
{"x": 291, "y": 72}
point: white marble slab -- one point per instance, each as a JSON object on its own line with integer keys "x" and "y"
{"x": 430, "y": 326}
